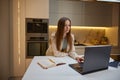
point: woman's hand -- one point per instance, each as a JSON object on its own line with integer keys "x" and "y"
{"x": 80, "y": 59}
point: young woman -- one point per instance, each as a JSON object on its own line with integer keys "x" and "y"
{"x": 62, "y": 42}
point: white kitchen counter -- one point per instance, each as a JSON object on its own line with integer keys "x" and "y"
{"x": 64, "y": 72}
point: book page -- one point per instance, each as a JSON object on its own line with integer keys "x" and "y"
{"x": 46, "y": 63}
{"x": 58, "y": 62}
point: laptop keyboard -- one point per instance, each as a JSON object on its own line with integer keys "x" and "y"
{"x": 78, "y": 67}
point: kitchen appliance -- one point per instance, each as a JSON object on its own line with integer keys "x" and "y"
{"x": 36, "y": 37}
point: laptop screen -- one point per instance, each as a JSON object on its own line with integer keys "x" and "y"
{"x": 96, "y": 57}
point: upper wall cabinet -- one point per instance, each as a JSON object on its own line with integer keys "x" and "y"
{"x": 81, "y": 13}
{"x": 37, "y": 8}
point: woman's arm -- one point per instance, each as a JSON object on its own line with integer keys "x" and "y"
{"x": 73, "y": 53}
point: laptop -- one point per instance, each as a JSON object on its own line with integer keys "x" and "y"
{"x": 96, "y": 58}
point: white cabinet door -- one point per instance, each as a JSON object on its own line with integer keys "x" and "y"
{"x": 81, "y": 13}
{"x": 37, "y": 8}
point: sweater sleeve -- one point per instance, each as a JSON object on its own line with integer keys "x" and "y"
{"x": 73, "y": 53}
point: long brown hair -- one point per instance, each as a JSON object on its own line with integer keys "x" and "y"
{"x": 60, "y": 32}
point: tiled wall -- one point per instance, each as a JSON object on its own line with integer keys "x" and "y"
{"x": 90, "y": 35}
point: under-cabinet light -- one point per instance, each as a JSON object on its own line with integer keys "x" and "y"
{"x": 18, "y": 21}
{"x": 82, "y": 27}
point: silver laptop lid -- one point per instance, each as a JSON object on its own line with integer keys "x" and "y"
{"x": 96, "y": 58}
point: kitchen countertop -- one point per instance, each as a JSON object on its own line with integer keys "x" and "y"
{"x": 64, "y": 72}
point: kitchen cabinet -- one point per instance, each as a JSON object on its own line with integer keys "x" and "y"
{"x": 37, "y": 8}
{"x": 81, "y": 13}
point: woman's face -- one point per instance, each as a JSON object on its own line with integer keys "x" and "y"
{"x": 67, "y": 26}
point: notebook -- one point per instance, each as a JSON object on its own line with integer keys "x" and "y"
{"x": 96, "y": 58}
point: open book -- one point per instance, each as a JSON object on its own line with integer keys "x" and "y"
{"x": 48, "y": 63}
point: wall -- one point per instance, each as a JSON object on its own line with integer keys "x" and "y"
{"x": 114, "y": 32}
{"x": 113, "y": 38}
{"x": 17, "y": 42}
{"x": 86, "y": 35}
{"x": 20, "y": 9}
{"x": 4, "y": 40}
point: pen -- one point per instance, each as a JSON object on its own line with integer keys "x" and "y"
{"x": 42, "y": 66}
{"x": 51, "y": 60}
{"x": 60, "y": 64}
{"x": 55, "y": 63}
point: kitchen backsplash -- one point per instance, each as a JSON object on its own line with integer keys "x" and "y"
{"x": 87, "y": 35}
